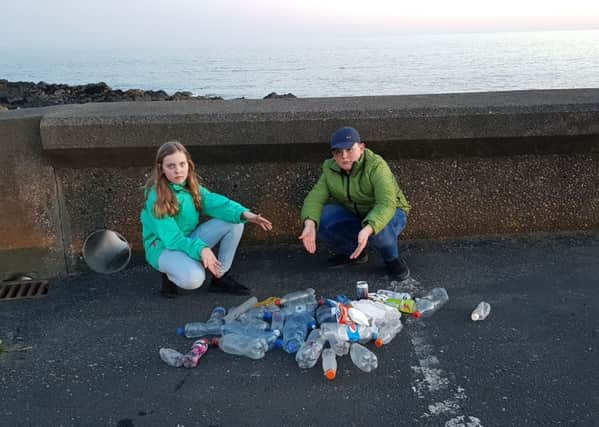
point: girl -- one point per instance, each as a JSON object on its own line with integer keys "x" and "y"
{"x": 174, "y": 242}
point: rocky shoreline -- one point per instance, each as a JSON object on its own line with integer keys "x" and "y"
{"x": 14, "y": 95}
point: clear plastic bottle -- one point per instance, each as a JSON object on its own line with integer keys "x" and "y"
{"x": 255, "y": 323}
{"x": 329, "y": 363}
{"x": 295, "y": 330}
{"x": 261, "y": 313}
{"x": 388, "y": 331}
{"x": 200, "y": 329}
{"x": 309, "y": 353}
{"x": 326, "y": 314}
{"x": 307, "y": 295}
{"x": 278, "y": 320}
{"x": 431, "y": 302}
{"x": 217, "y": 315}
{"x": 393, "y": 294}
{"x": 298, "y": 307}
{"x": 171, "y": 357}
{"x": 349, "y": 332}
{"x": 235, "y": 312}
{"x": 241, "y": 345}
{"x": 481, "y": 311}
{"x": 363, "y": 358}
{"x": 209, "y": 328}
{"x": 246, "y": 329}
{"x": 198, "y": 349}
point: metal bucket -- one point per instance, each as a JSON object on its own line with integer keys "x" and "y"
{"x": 106, "y": 251}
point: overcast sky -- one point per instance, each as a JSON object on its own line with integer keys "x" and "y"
{"x": 163, "y": 23}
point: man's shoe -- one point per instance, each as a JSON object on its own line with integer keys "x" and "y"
{"x": 339, "y": 260}
{"x": 169, "y": 289}
{"x": 228, "y": 285}
{"x": 398, "y": 269}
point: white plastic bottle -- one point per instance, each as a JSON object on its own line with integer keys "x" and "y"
{"x": 329, "y": 363}
{"x": 481, "y": 311}
{"x": 363, "y": 358}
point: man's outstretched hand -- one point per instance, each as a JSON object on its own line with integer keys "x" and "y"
{"x": 308, "y": 236}
{"x": 363, "y": 237}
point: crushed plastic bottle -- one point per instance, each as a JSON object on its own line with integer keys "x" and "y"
{"x": 198, "y": 349}
{"x": 241, "y": 345}
{"x": 235, "y": 312}
{"x": 340, "y": 347}
{"x": 309, "y": 353}
{"x": 388, "y": 331}
{"x": 363, "y": 358}
{"x": 329, "y": 363}
{"x": 481, "y": 311}
{"x": 171, "y": 357}
{"x": 295, "y": 330}
{"x": 431, "y": 302}
{"x": 350, "y": 332}
{"x": 307, "y": 295}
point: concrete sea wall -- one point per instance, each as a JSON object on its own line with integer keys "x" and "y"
{"x": 470, "y": 164}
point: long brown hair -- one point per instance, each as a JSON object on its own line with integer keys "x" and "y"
{"x": 166, "y": 201}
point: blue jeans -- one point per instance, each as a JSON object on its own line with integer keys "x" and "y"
{"x": 339, "y": 227}
{"x": 188, "y": 273}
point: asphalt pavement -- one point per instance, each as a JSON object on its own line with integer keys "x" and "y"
{"x": 86, "y": 354}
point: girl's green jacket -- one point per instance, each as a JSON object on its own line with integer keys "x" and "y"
{"x": 173, "y": 232}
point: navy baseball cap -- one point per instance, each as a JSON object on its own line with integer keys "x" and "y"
{"x": 344, "y": 138}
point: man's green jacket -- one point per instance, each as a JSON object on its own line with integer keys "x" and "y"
{"x": 370, "y": 191}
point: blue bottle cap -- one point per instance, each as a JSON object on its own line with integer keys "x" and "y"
{"x": 181, "y": 331}
{"x": 292, "y": 347}
{"x": 267, "y": 315}
{"x": 342, "y": 299}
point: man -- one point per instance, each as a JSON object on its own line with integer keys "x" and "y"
{"x": 356, "y": 201}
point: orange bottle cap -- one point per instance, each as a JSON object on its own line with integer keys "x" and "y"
{"x": 330, "y": 374}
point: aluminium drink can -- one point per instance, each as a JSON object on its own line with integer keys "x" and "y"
{"x": 361, "y": 289}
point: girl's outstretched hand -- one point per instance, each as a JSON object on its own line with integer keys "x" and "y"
{"x": 211, "y": 262}
{"x": 258, "y": 219}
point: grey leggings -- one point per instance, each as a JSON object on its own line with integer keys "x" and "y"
{"x": 186, "y": 272}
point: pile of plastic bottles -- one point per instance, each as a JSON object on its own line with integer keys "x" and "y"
{"x": 303, "y": 324}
